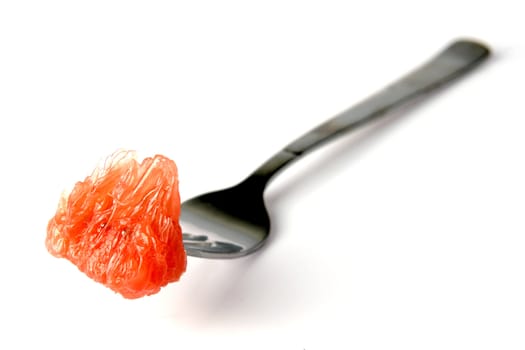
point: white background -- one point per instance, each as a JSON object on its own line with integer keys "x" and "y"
{"x": 409, "y": 235}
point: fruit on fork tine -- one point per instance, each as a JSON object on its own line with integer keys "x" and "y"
{"x": 121, "y": 225}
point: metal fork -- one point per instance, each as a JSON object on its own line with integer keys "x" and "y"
{"x": 234, "y": 222}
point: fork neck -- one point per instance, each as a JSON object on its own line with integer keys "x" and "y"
{"x": 262, "y": 175}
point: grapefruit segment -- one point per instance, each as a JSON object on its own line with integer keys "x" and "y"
{"x": 120, "y": 226}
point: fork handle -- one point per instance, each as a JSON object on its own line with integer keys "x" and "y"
{"x": 455, "y": 60}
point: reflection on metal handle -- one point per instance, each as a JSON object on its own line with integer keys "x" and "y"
{"x": 458, "y": 58}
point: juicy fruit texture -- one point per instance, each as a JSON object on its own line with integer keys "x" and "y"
{"x": 120, "y": 226}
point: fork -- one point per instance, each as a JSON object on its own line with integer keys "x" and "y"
{"x": 234, "y": 222}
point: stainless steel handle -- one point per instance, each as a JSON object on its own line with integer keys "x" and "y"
{"x": 455, "y": 60}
